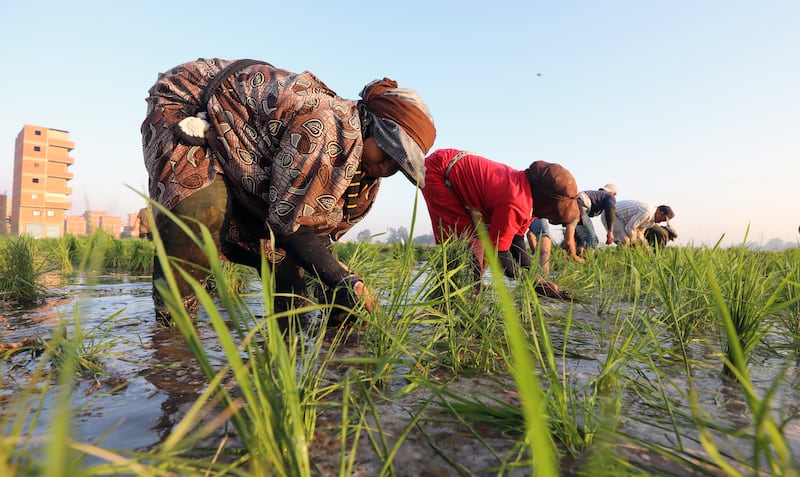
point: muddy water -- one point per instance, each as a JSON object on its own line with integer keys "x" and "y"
{"x": 150, "y": 381}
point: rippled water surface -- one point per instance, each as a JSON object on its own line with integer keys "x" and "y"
{"x": 149, "y": 381}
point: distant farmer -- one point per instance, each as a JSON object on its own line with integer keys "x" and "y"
{"x": 658, "y": 236}
{"x": 142, "y": 224}
{"x": 274, "y": 163}
{"x": 593, "y": 203}
{"x": 634, "y": 217}
{"x": 464, "y": 190}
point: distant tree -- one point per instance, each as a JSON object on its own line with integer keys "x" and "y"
{"x": 397, "y": 235}
{"x": 364, "y": 236}
{"x": 776, "y": 244}
{"x": 425, "y": 239}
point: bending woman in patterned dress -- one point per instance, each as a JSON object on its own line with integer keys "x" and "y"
{"x": 274, "y": 162}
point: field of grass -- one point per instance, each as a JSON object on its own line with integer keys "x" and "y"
{"x": 637, "y": 376}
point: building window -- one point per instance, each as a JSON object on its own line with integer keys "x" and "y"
{"x": 34, "y": 230}
{"x": 34, "y": 196}
{"x": 35, "y": 164}
{"x": 51, "y": 213}
{"x": 35, "y": 180}
{"x": 37, "y": 148}
{"x": 37, "y": 213}
{"x": 37, "y": 132}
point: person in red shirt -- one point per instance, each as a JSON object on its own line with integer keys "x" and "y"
{"x": 463, "y": 189}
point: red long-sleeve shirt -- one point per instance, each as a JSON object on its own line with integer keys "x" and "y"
{"x": 499, "y": 193}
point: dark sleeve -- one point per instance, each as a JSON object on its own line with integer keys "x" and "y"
{"x": 519, "y": 252}
{"x": 611, "y": 214}
{"x": 510, "y": 268}
{"x": 313, "y": 254}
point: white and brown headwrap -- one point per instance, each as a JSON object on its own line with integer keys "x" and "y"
{"x": 401, "y": 124}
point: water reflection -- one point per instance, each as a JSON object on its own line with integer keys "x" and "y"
{"x": 175, "y": 374}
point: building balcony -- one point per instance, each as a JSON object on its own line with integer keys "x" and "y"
{"x": 68, "y": 160}
{"x": 56, "y": 142}
{"x": 61, "y": 174}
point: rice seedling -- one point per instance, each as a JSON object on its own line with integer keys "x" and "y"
{"x": 85, "y": 349}
{"x": 21, "y": 270}
{"x": 140, "y": 256}
{"x": 94, "y": 251}
{"x": 599, "y": 284}
{"x": 115, "y": 256}
{"x": 789, "y": 267}
{"x": 237, "y": 276}
{"x": 521, "y": 366}
{"x": 453, "y": 277}
{"x": 683, "y": 305}
{"x": 462, "y": 309}
{"x": 746, "y": 295}
{"x": 272, "y": 414}
{"x": 60, "y": 253}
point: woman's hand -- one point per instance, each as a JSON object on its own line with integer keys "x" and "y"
{"x": 364, "y": 295}
{"x": 348, "y": 294}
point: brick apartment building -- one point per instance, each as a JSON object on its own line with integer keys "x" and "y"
{"x": 41, "y": 176}
{"x": 100, "y": 220}
{"x": 3, "y": 214}
{"x": 40, "y": 194}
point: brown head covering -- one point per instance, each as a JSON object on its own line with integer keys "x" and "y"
{"x": 401, "y": 124}
{"x": 555, "y": 192}
{"x": 384, "y": 99}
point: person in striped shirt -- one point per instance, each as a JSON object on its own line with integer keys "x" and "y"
{"x": 633, "y": 217}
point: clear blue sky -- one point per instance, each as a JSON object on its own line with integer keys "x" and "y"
{"x": 694, "y": 104}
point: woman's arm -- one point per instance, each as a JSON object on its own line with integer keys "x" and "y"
{"x": 313, "y": 254}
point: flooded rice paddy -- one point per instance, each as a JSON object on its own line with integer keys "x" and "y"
{"x": 150, "y": 380}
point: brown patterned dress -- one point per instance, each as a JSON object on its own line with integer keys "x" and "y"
{"x": 288, "y": 146}
{"x": 288, "y": 149}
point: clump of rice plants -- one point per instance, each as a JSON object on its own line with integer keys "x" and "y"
{"x": 140, "y": 255}
{"x": 83, "y": 349}
{"x": 453, "y": 269}
{"x": 683, "y": 302}
{"x": 460, "y": 308}
{"x": 21, "y": 270}
{"x": 272, "y": 407}
{"x": 96, "y": 245}
{"x": 60, "y": 252}
{"x": 746, "y": 293}
{"x": 789, "y": 267}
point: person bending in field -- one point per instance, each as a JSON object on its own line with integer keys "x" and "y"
{"x": 659, "y": 236}
{"x": 634, "y": 217}
{"x": 274, "y": 163}
{"x": 464, "y": 190}
{"x": 593, "y": 203}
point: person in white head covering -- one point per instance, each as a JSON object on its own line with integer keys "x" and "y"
{"x": 300, "y": 164}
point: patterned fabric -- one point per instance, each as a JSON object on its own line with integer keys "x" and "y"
{"x": 401, "y": 124}
{"x": 288, "y": 146}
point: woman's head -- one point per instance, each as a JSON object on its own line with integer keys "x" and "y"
{"x": 400, "y": 124}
